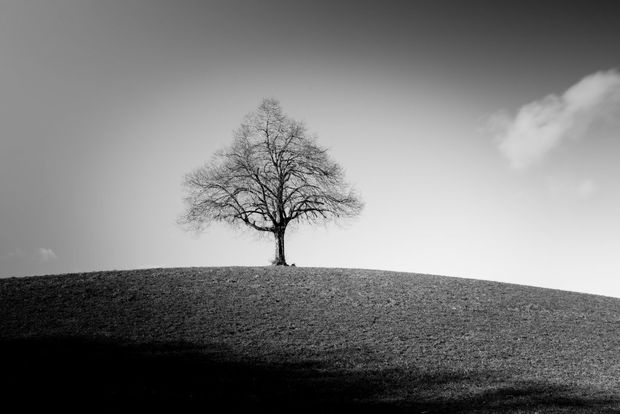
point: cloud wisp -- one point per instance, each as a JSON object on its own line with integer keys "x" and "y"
{"x": 540, "y": 126}
{"x": 580, "y": 189}
{"x": 42, "y": 254}
{"x": 16, "y": 254}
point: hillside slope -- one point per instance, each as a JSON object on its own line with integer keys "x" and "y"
{"x": 304, "y": 337}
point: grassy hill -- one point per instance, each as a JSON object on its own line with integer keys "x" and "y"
{"x": 308, "y": 338}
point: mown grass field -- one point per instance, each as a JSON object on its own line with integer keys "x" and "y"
{"x": 291, "y": 339}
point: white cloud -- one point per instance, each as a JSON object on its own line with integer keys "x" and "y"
{"x": 45, "y": 255}
{"x": 540, "y": 126}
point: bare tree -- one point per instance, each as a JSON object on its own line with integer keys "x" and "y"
{"x": 274, "y": 173}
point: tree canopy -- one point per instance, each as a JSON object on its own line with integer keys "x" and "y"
{"x": 274, "y": 173}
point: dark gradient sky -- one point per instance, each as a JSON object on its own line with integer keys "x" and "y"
{"x": 105, "y": 105}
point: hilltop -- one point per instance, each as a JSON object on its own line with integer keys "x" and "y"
{"x": 291, "y": 338}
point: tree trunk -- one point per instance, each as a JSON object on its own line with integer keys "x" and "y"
{"x": 279, "y": 260}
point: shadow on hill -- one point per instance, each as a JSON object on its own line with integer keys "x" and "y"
{"x": 75, "y": 370}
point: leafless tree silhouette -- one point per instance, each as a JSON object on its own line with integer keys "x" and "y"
{"x": 273, "y": 173}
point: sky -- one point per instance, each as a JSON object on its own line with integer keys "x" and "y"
{"x": 483, "y": 136}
